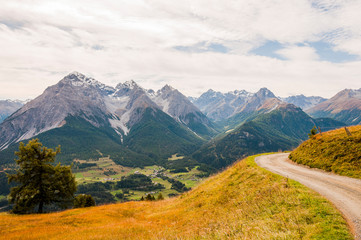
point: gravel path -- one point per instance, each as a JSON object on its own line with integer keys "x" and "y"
{"x": 343, "y": 192}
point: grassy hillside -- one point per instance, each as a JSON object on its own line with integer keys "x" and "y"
{"x": 243, "y": 202}
{"x": 334, "y": 151}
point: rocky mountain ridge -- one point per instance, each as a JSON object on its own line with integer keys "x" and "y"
{"x": 220, "y": 106}
{"x": 120, "y": 108}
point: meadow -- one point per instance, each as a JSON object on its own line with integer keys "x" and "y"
{"x": 105, "y": 169}
{"x": 243, "y": 202}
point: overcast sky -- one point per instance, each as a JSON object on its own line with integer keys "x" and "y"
{"x": 288, "y": 46}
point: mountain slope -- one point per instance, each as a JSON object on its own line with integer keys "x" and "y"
{"x": 89, "y": 118}
{"x": 7, "y": 107}
{"x": 345, "y": 106}
{"x": 334, "y": 151}
{"x": 159, "y": 136}
{"x": 178, "y": 106}
{"x": 219, "y": 106}
{"x": 304, "y": 102}
{"x": 81, "y": 140}
{"x": 73, "y": 95}
{"x": 243, "y": 202}
{"x": 251, "y": 108}
{"x": 278, "y": 126}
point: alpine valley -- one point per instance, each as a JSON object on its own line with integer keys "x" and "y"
{"x": 174, "y": 140}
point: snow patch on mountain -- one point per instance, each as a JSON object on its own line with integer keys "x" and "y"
{"x": 32, "y": 132}
{"x": 162, "y": 103}
{"x": 77, "y": 79}
{"x": 117, "y": 107}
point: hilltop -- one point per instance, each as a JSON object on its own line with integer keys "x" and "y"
{"x": 333, "y": 151}
{"x": 244, "y": 201}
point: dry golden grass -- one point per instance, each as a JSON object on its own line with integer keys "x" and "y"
{"x": 332, "y": 151}
{"x": 243, "y": 202}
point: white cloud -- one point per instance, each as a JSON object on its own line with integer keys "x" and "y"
{"x": 297, "y": 53}
{"x": 115, "y": 41}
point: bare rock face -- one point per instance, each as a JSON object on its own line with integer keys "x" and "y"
{"x": 178, "y": 106}
{"x": 256, "y": 101}
{"x": 74, "y": 95}
{"x": 79, "y": 96}
{"x": 127, "y": 105}
{"x": 219, "y": 106}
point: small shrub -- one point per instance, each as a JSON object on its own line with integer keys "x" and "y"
{"x": 120, "y": 195}
{"x": 312, "y": 133}
{"x": 149, "y": 197}
{"x": 83, "y": 200}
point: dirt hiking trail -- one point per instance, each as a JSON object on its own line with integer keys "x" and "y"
{"x": 343, "y": 192}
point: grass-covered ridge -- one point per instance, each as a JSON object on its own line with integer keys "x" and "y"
{"x": 334, "y": 151}
{"x": 243, "y": 202}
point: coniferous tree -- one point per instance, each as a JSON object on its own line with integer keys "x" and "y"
{"x": 160, "y": 197}
{"x": 40, "y": 183}
{"x": 149, "y": 197}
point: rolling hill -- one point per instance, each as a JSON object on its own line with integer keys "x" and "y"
{"x": 243, "y": 202}
{"x": 333, "y": 151}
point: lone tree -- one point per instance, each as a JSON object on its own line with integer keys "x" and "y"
{"x": 40, "y": 183}
{"x": 313, "y": 132}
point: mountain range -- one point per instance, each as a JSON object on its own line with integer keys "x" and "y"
{"x": 220, "y": 106}
{"x": 139, "y": 127}
{"x": 277, "y": 126}
{"x": 90, "y": 119}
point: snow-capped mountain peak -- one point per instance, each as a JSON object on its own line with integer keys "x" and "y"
{"x": 166, "y": 88}
{"x": 80, "y": 80}
{"x": 131, "y": 84}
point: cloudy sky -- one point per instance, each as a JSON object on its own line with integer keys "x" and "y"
{"x": 291, "y": 47}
